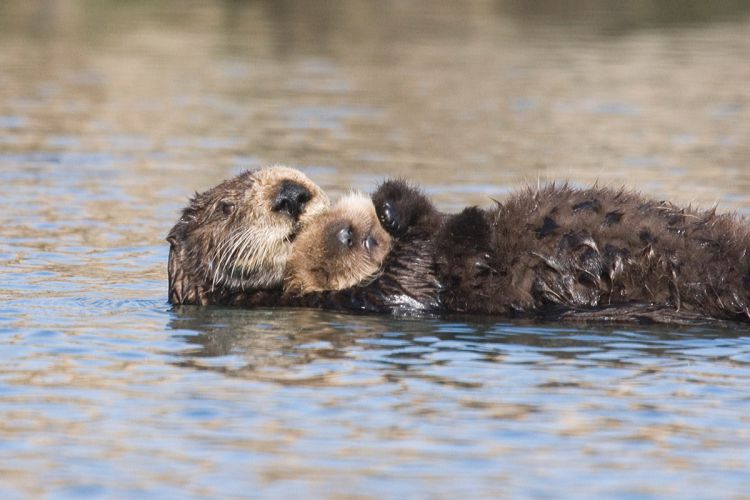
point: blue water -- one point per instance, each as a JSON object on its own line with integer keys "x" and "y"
{"x": 112, "y": 115}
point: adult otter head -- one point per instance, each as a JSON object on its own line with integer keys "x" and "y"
{"x": 238, "y": 235}
{"x": 344, "y": 247}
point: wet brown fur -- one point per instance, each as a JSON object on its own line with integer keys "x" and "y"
{"x": 565, "y": 251}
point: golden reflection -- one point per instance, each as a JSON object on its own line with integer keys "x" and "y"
{"x": 464, "y": 101}
{"x": 275, "y": 345}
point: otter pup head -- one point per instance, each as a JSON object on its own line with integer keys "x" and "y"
{"x": 238, "y": 235}
{"x": 340, "y": 249}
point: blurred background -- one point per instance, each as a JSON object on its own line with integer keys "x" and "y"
{"x": 112, "y": 113}
{"x": 469, "y": 98}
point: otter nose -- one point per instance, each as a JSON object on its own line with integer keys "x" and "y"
{"x": 291, "y": 198}
{"x": 345, "y": 236}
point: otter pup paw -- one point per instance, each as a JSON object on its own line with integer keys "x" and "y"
{"x": 403, "y": 209}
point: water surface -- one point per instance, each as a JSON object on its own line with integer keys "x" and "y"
{"x": 112, "y": 114}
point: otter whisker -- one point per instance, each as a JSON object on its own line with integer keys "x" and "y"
{"x": 249, "y": 253}
{"x": 217, "y": 253}
{"x": 231, "y": 256}
{"x": 218, "y": 256}
{"x": 227, "y": 249}
{"x": 242, "y": 255}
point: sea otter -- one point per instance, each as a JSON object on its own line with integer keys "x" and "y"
{"x": 237, "y": 236}
{"x": 570, "y": 253}
{"x": 341, "y": 248}
{"x": 557, "y": 252}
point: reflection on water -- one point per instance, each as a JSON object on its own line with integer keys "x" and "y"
{"x": 506, "y": 398}
{"x": 112, "y": 113}
{"x": 509, "y": 92}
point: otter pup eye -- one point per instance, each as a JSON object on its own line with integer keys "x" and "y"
{"x": 227, "y": 207}
{"x": 345, "y": 236}
{"x": 370, "y": 243}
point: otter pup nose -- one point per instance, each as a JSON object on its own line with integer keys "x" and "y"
{"x": 345, "y": 236}
{"x": 291, "y": 198}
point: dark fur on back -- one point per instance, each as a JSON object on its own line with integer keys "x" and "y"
{"x": 567, "y": 252}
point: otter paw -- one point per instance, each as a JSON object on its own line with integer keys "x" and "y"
{"x": 401, "y": 206}
{"x": 390, "y": 219}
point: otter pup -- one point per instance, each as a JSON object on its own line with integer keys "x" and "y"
{"x": 341, "y": 248}
{"x": 237, "y": 236}
{"x": 571, "y": 253}
{"x": 398, "y": 278}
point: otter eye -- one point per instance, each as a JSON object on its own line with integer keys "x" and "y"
{"x": 345, "y": 236}
{"x": 227, "y": 207}
{"x": 370, "y": 243}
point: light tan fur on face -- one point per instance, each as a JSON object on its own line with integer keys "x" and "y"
{"x": 244, "y": 247}
{"x": 320, "y": 261}
{"x": 270, "y": 234}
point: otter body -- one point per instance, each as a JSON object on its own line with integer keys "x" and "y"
{"x": 557, "y": 253}
{"x": 568, "y": 253}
